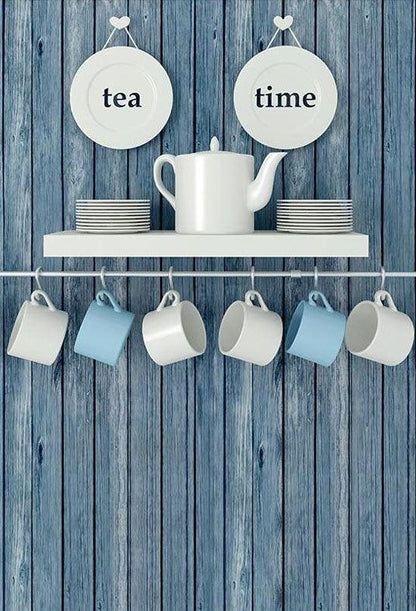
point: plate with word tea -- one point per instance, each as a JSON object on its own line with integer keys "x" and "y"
{"x": 285, "y": 97}
{"x": 121, "y": 97}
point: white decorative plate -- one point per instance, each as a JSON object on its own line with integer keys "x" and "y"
{"x": 121, "y": 97}
{"x": 285, "y": 97}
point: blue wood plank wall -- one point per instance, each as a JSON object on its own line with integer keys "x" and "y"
{"x": 210, "y": 484}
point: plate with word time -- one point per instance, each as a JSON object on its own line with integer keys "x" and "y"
{"x": 285, "y": 97}
{"x": 121, "y": 97}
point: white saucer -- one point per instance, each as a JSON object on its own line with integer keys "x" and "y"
{"x": 312, "y": 231}
{"x": 112, "y": 231}
{"x": 314, "y": 201}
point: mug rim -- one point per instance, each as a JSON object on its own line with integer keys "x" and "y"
{"x": 242, "y": 307}
{"x": 18, "y": 324}
{"x": 375, "y": 310}
{"x": 202, "y": 340}
{"x": 292, "y": 331}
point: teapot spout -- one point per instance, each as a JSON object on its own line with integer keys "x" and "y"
{"x": 260, "y": 190}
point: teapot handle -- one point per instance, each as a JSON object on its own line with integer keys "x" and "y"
{"x": 157, "y": 175}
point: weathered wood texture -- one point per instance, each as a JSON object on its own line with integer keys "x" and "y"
{"x": 209, "y": 370}
{"x": 211, "y": 484}
{"x": 145, "y": 417}
{"x": 365, "y": 378}
{"x": 47, "y": 403}
{"x": 78, "y": 379}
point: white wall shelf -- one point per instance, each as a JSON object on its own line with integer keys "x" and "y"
{"x": 171, "y": 244}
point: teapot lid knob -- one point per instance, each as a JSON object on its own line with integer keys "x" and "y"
{"x": 214, "y": 145}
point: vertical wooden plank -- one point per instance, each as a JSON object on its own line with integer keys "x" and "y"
{"x": 78, "y": 379}
{"x": 2, "y": 341}
{"x": 46, "y": 381}
{"x": 332, "y": 419}
{"x": 238, "y": 375}
{"x": 145, "y": 536}
{"x": 17, "y": 232}
{"x": 209, "y": 374}
{"x": 365, "y": 377}
{"x": 299, "y": 389}
{"x": 398, "y": 248}
{"x": 267, "y": 392}
{"x": 111, "y": 387}
{"x": 178, "y": 392}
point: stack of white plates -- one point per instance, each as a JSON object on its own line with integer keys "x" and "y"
{"x": 314, "y": 215}
{"x": 113, "y": 215}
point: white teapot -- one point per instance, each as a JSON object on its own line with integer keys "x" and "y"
{"x": 215, "y": 191}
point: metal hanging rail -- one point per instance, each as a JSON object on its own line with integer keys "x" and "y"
{"x": 204, "y": 274}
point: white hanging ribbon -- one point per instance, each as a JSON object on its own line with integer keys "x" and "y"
{"x": 283, "y": 23}
{"x": 120, "y": 23}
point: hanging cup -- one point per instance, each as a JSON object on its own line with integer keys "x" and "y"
{"x": 39, "y": 330}
{"x": 316, "y": 332}
{"x": 104, "y": 330}
{"x": 174, "y": 332}
{"x": 250, "y": 333}
{"x": 378, "y": 332}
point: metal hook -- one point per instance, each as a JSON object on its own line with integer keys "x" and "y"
{"x": 253, "y": 270}
{"x": 315, "y": 278}
{"x": 103, "y": 284}
{"x": 170, "y": 276}
{"x": 37, "y": 275}
{"x": 383, "y": 278}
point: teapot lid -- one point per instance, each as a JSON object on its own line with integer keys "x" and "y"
{"x": 214, "y": 148}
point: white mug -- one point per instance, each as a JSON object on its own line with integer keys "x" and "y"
{"x": 39, "y": 330}
{"x": 174, "y": 332}
{"x": 250, "y": 333}
{"x": 379, "y": 332}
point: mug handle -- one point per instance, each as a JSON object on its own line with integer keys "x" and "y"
{"x": 157, "y": 176}
{"x": 36, "y": 295}
{"x": 383, "y": 295}
{"x": 251, "y": 296}
{"x": 170, "y": 294}
{"x": 99, "y": 298}
{"x": 313, "y": 296}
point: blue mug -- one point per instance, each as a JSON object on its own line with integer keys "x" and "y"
{"x": 104, "y": 330}
{"x": 315, "y": 333}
